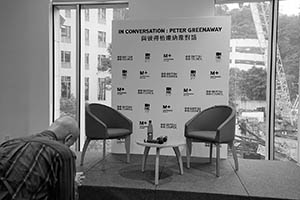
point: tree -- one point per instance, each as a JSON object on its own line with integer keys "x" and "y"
{"x": 222, "y": 10}
{"x": 68, "y": 106}
{"x": 247, "y": 85}
{"x": 106, "y": 61}
{"x": 255, "y": 83}
{"x": 106, "y": 65}
{"x": 242, "y": 25}
{"x": 289, "y": 46}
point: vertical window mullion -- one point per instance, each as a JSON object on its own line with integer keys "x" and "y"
{"x": 78, "y": 66}
{"x": 271, "y": 86}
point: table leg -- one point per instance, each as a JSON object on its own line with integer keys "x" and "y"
{"x": 157, "y": 166}
{"x": 179, "y": 159}
{"x": 146, "y": 152}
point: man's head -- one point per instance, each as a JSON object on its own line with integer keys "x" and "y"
{"x": 66, "y": 130}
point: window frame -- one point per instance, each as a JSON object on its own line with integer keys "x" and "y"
{"x": 271, "y": 73}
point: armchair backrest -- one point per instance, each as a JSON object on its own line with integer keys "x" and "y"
{"x": 210, "y": 119}
{"x": 94, "y": 128}
{"x": 108, "y": 116}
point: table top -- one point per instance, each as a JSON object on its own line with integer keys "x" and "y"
{"x": 164, "y": 145}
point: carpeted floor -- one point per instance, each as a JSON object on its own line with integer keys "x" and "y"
{"x": 256, "y": 179}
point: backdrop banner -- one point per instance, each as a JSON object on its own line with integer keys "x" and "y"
{"x": 166, "y": 71}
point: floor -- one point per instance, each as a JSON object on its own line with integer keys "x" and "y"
{"x": 256, "y": 179}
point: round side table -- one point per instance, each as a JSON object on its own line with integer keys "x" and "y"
{"x": 147, "y": 146}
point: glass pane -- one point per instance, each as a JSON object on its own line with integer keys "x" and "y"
{"x": 248, "y": 75}
{"x": 96, "y": 57}
{"x": 287, "y": 81}
{"x": 65, "y": 62}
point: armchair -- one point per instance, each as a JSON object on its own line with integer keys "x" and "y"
{"x": 103, "y": 123}
{"x": 215, "y": 125}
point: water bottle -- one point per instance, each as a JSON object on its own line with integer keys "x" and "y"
{"x": 150, "y": 131}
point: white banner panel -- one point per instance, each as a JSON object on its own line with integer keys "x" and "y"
{"x": 167, "y": 71}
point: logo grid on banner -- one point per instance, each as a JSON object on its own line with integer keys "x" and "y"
{"x": 166, "y": 71}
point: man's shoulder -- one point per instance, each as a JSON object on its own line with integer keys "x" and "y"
{"x": 51, "y": 143}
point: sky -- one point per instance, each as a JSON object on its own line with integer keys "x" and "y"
{"x": 288, "y": 7}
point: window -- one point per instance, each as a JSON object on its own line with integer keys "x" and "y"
{"x": 101, "y": 89}
{"x": 87, "y": 36}
{"x": 286, "y": 136}
{"x": 65, "y": 87}
{"x": 86, "y": 86}
{"x": 64, "y": 77}
{"x": 248, "y": 61}
{"x": 87, "y": 15}
{"x": 65, "y": 59}
{"x": 101, "y": 39}
{"x": 100, "y": 67}
{"x": 251, "y": 25}
{"x": 72, "y": 84}
{"x": 101, "y": 15}
{"x": 66, "y": 34}
{"x": 247, "y": 76}
{"x": 87, "y": 60}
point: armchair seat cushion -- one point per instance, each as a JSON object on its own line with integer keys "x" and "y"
{"x": 117, "y": 132}
{"x": 202, "y": 135}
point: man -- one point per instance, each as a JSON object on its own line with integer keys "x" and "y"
{"x": 41, "y": 166}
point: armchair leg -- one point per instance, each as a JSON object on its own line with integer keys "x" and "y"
{"x": 86, "y": 143}
{"x": 127, "y": 148}
{"x": 188, "y": 151}
{"x": 104, "y": 154}
{"x": 210, "y": 152}
{"x": 236, "y": 164}
{"x": 218, "y": 160}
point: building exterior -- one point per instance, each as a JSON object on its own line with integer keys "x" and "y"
{"x": 95, "y": 60}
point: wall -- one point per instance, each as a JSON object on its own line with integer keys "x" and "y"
{"x": 162, "y": 9}
{"x": 24, "y": 64}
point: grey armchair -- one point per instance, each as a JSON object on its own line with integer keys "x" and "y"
{"x": 103, "y": 123}
{"x": 214, "y": 125}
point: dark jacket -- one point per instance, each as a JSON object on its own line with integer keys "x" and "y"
{"x": 36, "y": 167}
